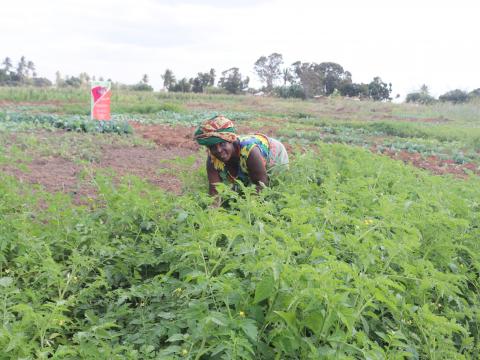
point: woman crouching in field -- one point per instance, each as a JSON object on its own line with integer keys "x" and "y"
{"x": 248, "y": 158}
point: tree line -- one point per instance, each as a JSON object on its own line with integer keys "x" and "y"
{"x": 299, "y": 80}
{"x": 456, "y": 96}
{"x": 24, "y": 73}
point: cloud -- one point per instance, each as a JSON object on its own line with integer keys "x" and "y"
{"x": 407, "y": 43}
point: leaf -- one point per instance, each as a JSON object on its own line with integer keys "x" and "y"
{"x": 175, "y": 337}
{"x": 264, "y": 288}
{"x": 5, "y": 281}
{"x": 217, "y": 318}
{"x": 314, "y": 322}
{"x": 249, "y": 327}
{"x": 166, "y": 315}
{"x": 289, "y": 318}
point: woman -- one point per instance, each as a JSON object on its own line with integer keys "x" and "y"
{"x": 248, "y": 158}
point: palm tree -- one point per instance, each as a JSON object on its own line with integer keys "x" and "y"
{"x": 22, "y": 67}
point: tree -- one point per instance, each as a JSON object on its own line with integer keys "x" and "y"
{"x": 287, "y": 76}
{"x": 420, "y": 97}
{"x": 183, "y": 85}
{"x": 455, "y": 96}
{"x": 212, "y": 77}
{"x": 292, "y": 91}
{"x": 474, "y": 94}
{"x": 321, "y": 79}
{"x": 378, "y": 90}
{"x": 141, "y": 86}
{"x": 145, "y": 79}
{"x": 58, "y": 79}
{"x": 30, "y": 67}
{"x": 41, "y": 82}
{"x": 232, "y": 81}
{"x": 332, "y": 75}
{"x": 7, "y": 65}
{"x": 351, "y": 89}
{"x": 168, "y": 79}
{"x": 310, "y": 78}
{"x": 202, "y": 81}
{"x": 84, "y": 78}
{"x": 268, "y": 69}
{"x": 72, "y": 81}
{"x": 22, "y": 68}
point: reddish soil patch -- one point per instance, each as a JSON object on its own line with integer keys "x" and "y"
{"x": 432, "y": 163}
{"x": 182, "y": 136}
{"x": 54, "y": 173}
{"x": 145, "y": 163}
{"x": 57, "y": 174}
{"x": 168, "y": 136}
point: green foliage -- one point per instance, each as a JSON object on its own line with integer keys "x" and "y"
{"x": 291, "y": 91}
{"x": 378, "y": 90}
{"x": 381, "y": 262}
{"x": 268, "y": 69}
{"x": 353, "y": 90}
{"x": 202, "y": 81}
{"x": 141, "y": 86}
{"x": 69, "y": 123}
{"x": 182, "y": 85}
{"x": 192, "y": 118}
{"x": 474, "y": 94}
{"x": 420, "y": 98}
{"x": 455, "y": 96}
{"x": 232, "y": 81}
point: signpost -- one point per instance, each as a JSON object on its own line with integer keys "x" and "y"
{"x": 101, "y": 92}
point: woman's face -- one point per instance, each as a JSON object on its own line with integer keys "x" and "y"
{"x": 222, "y": 151}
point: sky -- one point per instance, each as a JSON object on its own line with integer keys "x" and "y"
{"x": 406, "y": 42}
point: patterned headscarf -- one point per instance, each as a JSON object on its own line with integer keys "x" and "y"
{"x": 215, "y": 130}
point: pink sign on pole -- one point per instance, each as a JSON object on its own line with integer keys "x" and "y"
{"x": 101, "y": 93}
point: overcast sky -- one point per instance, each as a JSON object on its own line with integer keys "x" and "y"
{"x": 405, "y": 42}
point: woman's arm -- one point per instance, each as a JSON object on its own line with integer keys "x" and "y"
{"x": 256, "y": 168}
{"x": 213, "y": 177}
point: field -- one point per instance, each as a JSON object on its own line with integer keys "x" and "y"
{"x": 110, "y": 248}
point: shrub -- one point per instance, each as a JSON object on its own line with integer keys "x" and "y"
{"x": 419, "y": 98}
{"x": 292, "y": 91}
{"x": 353, "y": 90}
{"x": 141, "y": 87}
{"x": 474, "y": 94}
{"x": 455, "y": 96}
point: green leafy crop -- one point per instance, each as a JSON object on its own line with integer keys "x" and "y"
{"x": 348, "y": 256}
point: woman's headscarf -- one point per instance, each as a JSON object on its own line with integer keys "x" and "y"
{"x": 215, "y": 130}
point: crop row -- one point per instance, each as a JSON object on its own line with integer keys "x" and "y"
{"x": 14, "y": 120}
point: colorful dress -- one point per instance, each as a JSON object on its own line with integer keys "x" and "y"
{"x": 274, "y": 157}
